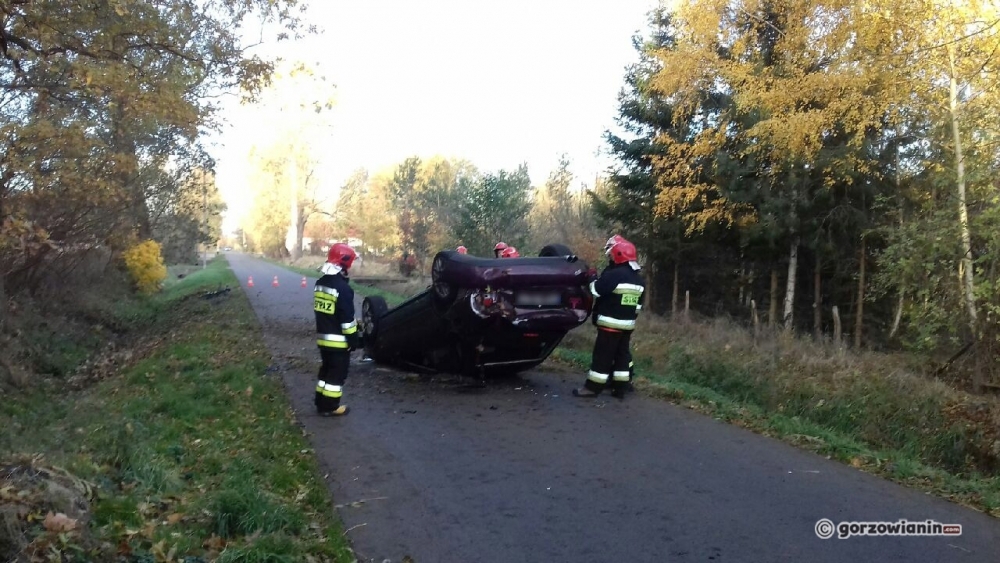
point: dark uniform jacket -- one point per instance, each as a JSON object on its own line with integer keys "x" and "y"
{"x": 618, "y": 296}
{"x": 333, "y": 301}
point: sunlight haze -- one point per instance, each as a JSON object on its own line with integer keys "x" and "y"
{"x": 497, "y": 84}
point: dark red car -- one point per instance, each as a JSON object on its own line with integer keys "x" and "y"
{"x": 482, "y": 316}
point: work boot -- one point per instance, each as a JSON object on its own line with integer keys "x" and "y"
{"x": 339, "y": 411}
{"x": 618, "y": 393}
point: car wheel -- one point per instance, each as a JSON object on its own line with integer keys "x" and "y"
{"x": 555, "y": 250}
{"x": 443, "y": 291}
{"x": 372, "y": 309}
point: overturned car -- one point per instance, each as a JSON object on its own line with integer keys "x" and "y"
{"x": 482, "y": 316}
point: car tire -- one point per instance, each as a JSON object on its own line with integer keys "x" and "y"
{"x": 555, "y": 250}
{"x": 442, "y": 291}
{"x": 372, "y": 310}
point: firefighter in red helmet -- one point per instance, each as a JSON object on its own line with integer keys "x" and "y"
{"x": 499, "y": 248}
{"x": 462, "y": 250}
{"x": 333, "y": 303}
{"x": 509, "y": 252}
{"x": 631, "y": 364}
{"x": 618, "y": 296}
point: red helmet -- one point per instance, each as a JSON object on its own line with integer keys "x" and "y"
{"x": 611, "y": 242}
{"x": 509, "y": 252}
{"x": 500, "y": 247}
{"x": 622, "y": 252}
{"x": 341, "y": 255}
{"x": 462, "y": 250}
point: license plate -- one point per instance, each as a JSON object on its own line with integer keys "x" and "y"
{"x": 539, "y": 298}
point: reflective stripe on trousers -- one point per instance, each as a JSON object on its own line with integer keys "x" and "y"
{"x": 327, "y": 390}
{"x": 597, "y": 377}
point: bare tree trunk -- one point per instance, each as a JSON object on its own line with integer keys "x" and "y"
{"x": 3, "y": 303}
{"x": 749, "y": 296}
{"x": 859, "y": 311}
{"x": 898, "y": 316}
{"x": 300, "y": 231}
{"x": 837, "y": 330}
{"x": 743, "y": 273}
{"x": 963, "y": 210}
{"x": 673, "y": 303}
{"x": 793, "y": 262}
{"x": 651, "y": 283}
{"x": 3, "y": 274}
{"x": 687, "y": 305}
{"x": 755, "y": 319}
{"x": 295, "y": 233}
{"x": 818, "y": 299}
{"x": 772, "y": 310}
{"x": 899, "y": 301}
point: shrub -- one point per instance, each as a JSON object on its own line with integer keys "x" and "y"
{"x": 145, "y": 266}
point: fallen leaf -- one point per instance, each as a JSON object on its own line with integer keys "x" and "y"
{"x": 214, "y": 543}
{"x": 856, "y": 462}
{"x": 175, "y": 517}
{"x": 59, "y": 522}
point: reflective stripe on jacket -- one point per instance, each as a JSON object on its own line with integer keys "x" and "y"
{"x": 333, "y": 303}
{"x": 618, "y": 297}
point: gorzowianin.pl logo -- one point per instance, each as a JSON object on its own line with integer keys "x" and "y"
{"x": 826, "y": 529}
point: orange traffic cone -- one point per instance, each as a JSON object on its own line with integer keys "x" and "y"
{"x": 275, "y": 282}
{"x": 303, "y": 281}
{"x": 250, "y": 281}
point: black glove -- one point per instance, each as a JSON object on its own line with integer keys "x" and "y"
{"x": 354, "y": 341}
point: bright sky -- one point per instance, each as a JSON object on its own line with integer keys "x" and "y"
{"x": 497, "y": 83}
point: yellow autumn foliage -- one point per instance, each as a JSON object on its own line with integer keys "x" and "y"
{"x": 145, "y": 266}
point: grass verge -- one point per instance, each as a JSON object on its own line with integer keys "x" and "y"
{"x": 190, "y": 454}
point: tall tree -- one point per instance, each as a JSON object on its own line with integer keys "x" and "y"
{"x": 365, "y": 211}
{"x": 494, "y": 207}
{"x": 94, "y": 99}
{"x": 561, "y": 213}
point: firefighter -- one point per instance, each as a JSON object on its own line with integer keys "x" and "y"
{"x": 509, "y": 252}
{"x": 498, "y": 249}
{"x": 631, "y": 363}
{"x": 462, "y": 250}
{"x": 333, "y": 302}
{"x": 618, "y": 296}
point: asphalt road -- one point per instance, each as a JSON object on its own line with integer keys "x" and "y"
{"x": 524, "y": 471}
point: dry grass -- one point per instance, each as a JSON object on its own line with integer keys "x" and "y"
{"x": 407, "y": 288}
{"x": 55, "y": 326}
